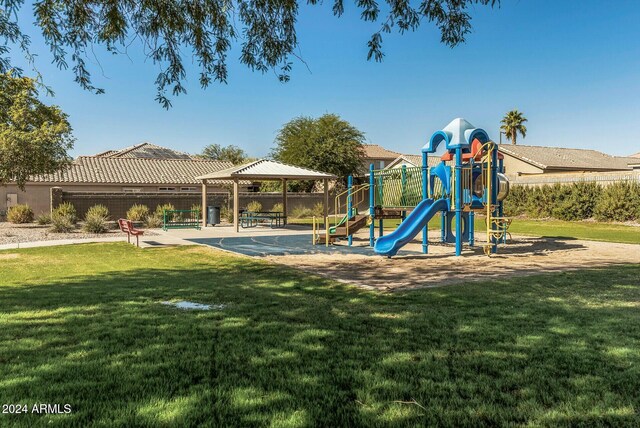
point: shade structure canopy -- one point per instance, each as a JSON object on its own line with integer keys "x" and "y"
{"x": 267, "y": 170}
{"x": 263, "y": 170}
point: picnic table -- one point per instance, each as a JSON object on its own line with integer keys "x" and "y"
{"x": 252, "y": 218}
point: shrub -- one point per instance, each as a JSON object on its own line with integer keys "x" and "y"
{"x": 164, "y": 207}
{"x": 61, "y": 223}
{"x": 97, "y": 211}
{"x": 619, "y": 202}
{"x": 21, "y": 213}
{"x": 94, "y": 223}
{"x": 153, "y": 221}
{"x": 43, "y": 219}
{"x": 579, "y": 201}
{"x": 254, "y": 206}
{"x": 516, "y": 202}
{"x": 279, "y": 208}
{"x": 226, "y": 214}
{"x": 318, "y": 209}
{"x": 301, "y": 211}
{"x": 159, "y": 214}
{"x": 67, "y": 210}
{"x": 196, "y": 207}
{"x": 270, "y": 186}
{"x": 137, "y": 212}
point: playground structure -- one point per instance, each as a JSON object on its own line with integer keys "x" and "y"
{"x": 470, "y": 178}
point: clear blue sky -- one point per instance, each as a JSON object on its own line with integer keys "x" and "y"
{"x": 573, "y": 68}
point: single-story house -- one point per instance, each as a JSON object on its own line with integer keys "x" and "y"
{"x": 378, "y": 156}
{"x": 633, "y": 161}
{"x": 145, "y": 150}
{"x": 131, "y": 170}
{"x": 411, "y": 161}
{"x": 531, "y": 160}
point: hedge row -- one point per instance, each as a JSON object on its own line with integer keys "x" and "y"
{"x": 578, "y": 201}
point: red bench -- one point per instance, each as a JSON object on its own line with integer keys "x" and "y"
{"x": 126, "y": 226}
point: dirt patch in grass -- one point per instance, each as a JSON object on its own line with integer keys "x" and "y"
{"x": 9, "y": 256}
{"x": 522, "y": 256}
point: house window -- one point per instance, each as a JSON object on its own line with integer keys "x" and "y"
{"x": 381, "y": 165}
{"x": 166, "y": 189}
{"x": 131, "y": 189}
{"x": 188, "y": 189}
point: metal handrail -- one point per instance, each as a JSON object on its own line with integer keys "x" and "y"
{"x": 357, "y": 195}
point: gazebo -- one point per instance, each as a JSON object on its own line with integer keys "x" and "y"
{"x": 263, "y": 170}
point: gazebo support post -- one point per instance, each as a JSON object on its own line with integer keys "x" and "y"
{"x": 203, "y": 205}
{"x": 284, "y": 199}
{"x": 326, "y": 199}
{"x": 236, "y": 206}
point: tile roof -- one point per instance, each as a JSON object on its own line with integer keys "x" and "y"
{"x": 374, "y": 151}
{"x": 267, "y": 169}
{"x": 636, "y": 155}
{"x": 146, "y": 151}
{"x": 630, "y": 160}
{"x": 564, "y": 158}
{"x": 105, "y": 170}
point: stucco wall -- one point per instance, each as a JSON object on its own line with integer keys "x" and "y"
{"x": 513, "y": 167}
{"x": 376, "y": 163}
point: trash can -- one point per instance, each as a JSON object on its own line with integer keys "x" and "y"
{"x": 213, "y": 215}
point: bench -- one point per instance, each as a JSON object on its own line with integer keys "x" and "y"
{"x": 180, "y": 219}
{"x": 126, "y": 226}
{"x": 252, "y": 218}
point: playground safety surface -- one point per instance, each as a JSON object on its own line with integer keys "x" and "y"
{"x": 359, "y": 265}
{"x": 283, "y": 245}
{"x": 411, "y": 269}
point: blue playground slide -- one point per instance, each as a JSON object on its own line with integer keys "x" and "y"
{"x": 389, "y": 245}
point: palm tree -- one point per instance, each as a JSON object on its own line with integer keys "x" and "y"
{"x": 513, "y": 124}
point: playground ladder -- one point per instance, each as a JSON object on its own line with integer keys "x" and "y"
{"x": 501, "y": 223}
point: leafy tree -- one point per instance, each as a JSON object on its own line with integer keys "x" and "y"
{"x": 513, "y": 124}
{"x": 206, "y": 30}
{"x": 34, "y": 137}
{"x": 230, "y": 153}
{"x": 327, "y": 144}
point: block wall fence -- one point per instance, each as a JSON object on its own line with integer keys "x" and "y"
{"x": 119, "y": 203}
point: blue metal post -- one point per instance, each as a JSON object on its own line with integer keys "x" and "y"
{"x": 349, "y": 205}
{"x": 381, "y": 193}
{"x": 494, "y": 193}
{"x": 425, "y": 195}
{"x": 372, "y": 208}
{"x": 403, "y": 186}
{"x": 443, "y": 225}
{"x": 458, "y": 190}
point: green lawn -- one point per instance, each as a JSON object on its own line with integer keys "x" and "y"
{"x": 588, "y": 230}
{"x": 83, "y": 325}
